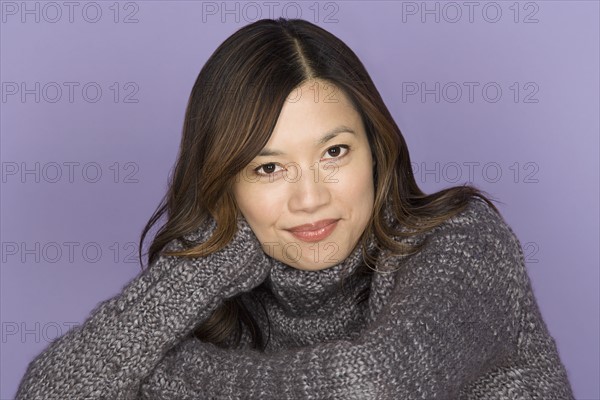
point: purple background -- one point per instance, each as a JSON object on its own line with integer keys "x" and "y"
{"x": 545, "y": 146}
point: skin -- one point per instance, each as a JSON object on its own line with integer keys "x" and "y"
{"x": 310, "y": 182}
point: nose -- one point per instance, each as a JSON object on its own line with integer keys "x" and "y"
{"x": 309, "y": 189}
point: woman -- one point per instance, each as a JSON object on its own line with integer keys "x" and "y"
{"x": 300, "y": 259}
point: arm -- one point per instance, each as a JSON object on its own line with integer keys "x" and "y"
{"x": 454, "y": 315}
{"x": 126, "y": 336}
{"x": 535, "y": 371}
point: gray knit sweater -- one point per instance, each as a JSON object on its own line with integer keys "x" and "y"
{"x": 458, "y": 320}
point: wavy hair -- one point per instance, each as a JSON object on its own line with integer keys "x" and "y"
{"x": 231, "y": 113}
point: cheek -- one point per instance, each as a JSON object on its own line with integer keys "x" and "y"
{"x": 356, "y": 188}
{"x": 356, "y": 184}
{"x": 257, "y": 205}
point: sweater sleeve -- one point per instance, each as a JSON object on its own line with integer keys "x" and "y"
{"x": 456, "y": 313}
{"x": 125, "y": 337}
{"x": 535, "y": 371}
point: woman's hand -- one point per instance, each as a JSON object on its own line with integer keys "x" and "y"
{"x": 125, "y": 337}
{"x": 258, "y": 266}
{"x": 242, "y": 260}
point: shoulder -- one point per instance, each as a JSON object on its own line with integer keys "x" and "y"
{"x": 477, "y": 216}
{"x": 478, "y": 225}
{"x": 476, "y": 243}
{"x": 474, "y": 254}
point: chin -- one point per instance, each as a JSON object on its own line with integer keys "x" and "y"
{"x": 307, "y": 264}
{"x": 313, "y": 267}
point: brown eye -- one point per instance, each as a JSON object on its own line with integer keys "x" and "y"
{"x": 335, "y": 151}
{"x": 267, "y": 169}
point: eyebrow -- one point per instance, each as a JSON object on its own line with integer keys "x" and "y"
{"x": 327, "y": 137}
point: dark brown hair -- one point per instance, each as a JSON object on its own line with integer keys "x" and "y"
{"x": 231, "y": 113}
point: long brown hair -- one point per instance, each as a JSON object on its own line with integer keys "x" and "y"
{"x": 231, "y": 113}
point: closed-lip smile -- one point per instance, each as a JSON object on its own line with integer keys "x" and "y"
{"x": 313, "y": 226}
{"x": 314, "y": 232}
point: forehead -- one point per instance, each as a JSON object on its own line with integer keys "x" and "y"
{"x": 314, "y": 109}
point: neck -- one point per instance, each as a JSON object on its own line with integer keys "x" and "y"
{"x": 307, "y": 307}
{"x": 301, "y": 292}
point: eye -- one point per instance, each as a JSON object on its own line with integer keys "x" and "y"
{"x": 335, "y": 150}
{"x": 268, "y": 169}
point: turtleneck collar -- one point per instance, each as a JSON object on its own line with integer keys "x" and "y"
{"x": 301, "y": 292}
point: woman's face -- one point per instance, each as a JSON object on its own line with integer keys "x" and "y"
{"x": 314, "y": 170}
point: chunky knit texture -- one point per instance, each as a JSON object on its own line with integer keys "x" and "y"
{"x": 458, "y": 320}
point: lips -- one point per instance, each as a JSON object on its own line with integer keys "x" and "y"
{"x": 313, "y": 227}
{"x": 314, "y": 232}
